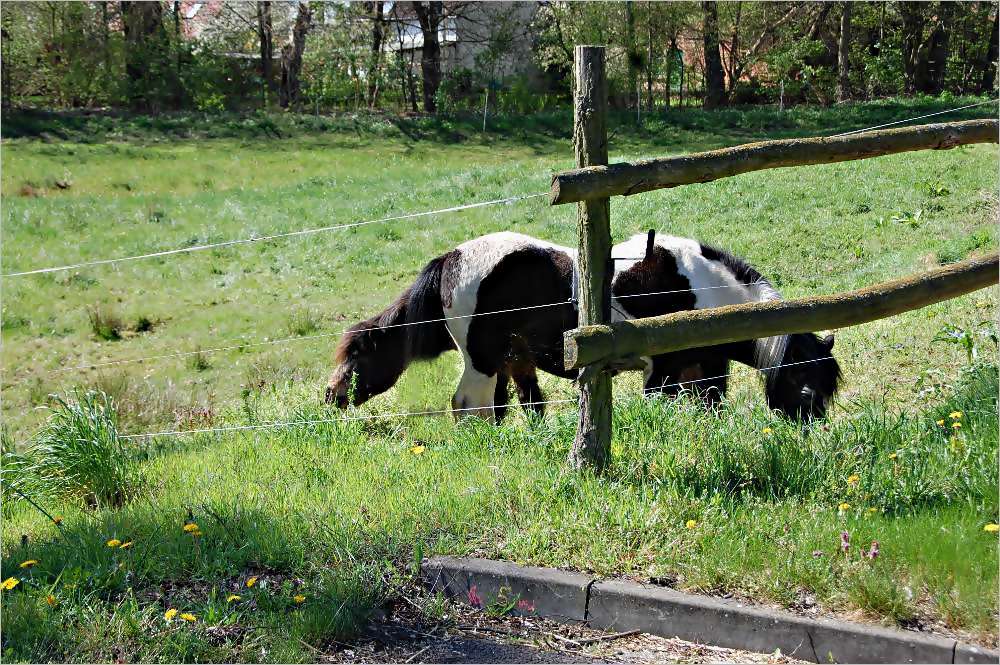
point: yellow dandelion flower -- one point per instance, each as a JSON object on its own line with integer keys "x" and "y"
{"x": 187, "y": 616}
{"x": 125, "y": 545}
{"x": 251, "y": 581}
{"x": 51, "y": 600}
{"x": 170, "y": 614}
{"x": 955, "y": 415}
{"x": 956, "y": 425}
{"x": 691, "y": 524}
{"x": 114, "y": 542}
{"x": 9, "y": 583}
{"x": 991, "y": 528}
{"x": 232, "y": 598}
{"x": 29, "y": 563}
{"x": 872, "y": 511}
{"x": 893, "y": 455}
{"x": 767, "y": 430}
{"x": 57, "y": 519}
{"x": 299, "y": 599}
{"x": 844, "y": 507}
{"x": 418, "y": 449}
{"x": 853, "y": 478}
{"x": 190, "y": 526}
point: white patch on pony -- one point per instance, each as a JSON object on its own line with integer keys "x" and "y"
{"x": 647, "y": 370}
{"x": 478, "y": 258}
{"x": 474, "y": 395}
{"x": 714, "y": 285}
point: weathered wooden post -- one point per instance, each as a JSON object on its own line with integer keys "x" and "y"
{"x": 590, "y": 143}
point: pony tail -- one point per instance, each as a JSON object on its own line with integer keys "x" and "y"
{"x": 423, "y": 306}
{"x": 768, "y": 352}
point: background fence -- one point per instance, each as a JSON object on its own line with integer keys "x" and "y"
{"x": 596, "y": 347}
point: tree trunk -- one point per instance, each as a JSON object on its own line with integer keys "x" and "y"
{"x": 715, "y": 91}
{"x": 680, "y": 85}
{"x": 843, "y": 54}
{"x": 376, "y": 10}
{"x": 265, "y": 36}
{"x": 990, "y": 65}
{"x": 411, "y": 81}
{"x": 913, "y": 37}
{"x": 429, "y": 15}
{"x": 649, "y": 63}
{"x": 633, "y": 56}
{"x": 146, "y": 54}
{"x": 178, "y": 82}
{"x": 671, "y": 50}
{"x": 291, "y": 57}
{"x": 938, "y": 51}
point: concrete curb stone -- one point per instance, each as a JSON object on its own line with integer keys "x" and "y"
{"x": 621, "y": 606}
{"x": 627, "y": 606}
{"x": 530, "y": 591}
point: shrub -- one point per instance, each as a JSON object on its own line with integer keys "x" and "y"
{"x": 198, "y": 361}
{"x": 303, "y": 321}
{"x": 78, "y": 452}
{"x": 105, "y": 323}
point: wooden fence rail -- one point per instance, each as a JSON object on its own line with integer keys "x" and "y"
{"x": 603, "y": 344}
{"x": 597, "y": 348}
{"x": 623, "y": 179}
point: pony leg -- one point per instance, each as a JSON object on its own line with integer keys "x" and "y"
{"x": 529, "y": 394}
{"x": 501, "y": 396}
{"x": 475, "y": 393}
{"x": 712, "y": 388}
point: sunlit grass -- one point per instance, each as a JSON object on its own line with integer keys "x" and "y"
{"x": 337, "y": 512}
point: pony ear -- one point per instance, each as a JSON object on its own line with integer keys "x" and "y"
{"x": 828, "y": 342}
{"x": 650, "y": 237}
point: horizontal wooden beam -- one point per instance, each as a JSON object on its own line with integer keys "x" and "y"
{"x": 733, "y": 323}
{"x": 624, "y": 179}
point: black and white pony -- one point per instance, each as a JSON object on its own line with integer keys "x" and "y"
{"x": 504, "y": 301}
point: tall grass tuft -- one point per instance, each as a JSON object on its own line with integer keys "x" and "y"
{"x": 105, "y": 323}
{"x": 78, "y": 452}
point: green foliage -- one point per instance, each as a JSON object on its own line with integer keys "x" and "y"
{"x": 105, "y": 323}
{"x": 79, "y": 454}
{"x": 340, "y": 511}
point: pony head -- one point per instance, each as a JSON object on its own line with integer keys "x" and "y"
{"x": 369, "y": 361}
{"x": 808, "y": 378}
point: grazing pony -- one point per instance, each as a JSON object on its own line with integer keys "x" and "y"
{"x": 504, "y": 301}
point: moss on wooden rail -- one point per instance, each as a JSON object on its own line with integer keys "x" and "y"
{"x": 707, "y": 327}
{"x": 623, "y": 179}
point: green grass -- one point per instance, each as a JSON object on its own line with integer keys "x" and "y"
{"x": 338, "y": 512}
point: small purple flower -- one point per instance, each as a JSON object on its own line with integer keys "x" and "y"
{"x": 525, "y": 605}
{"x": 845, "y": 541}
{"x": 474, "y": 598}
{"x": 873, "y": 552}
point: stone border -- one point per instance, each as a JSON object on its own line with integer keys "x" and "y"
{"x": 620, "y": 606}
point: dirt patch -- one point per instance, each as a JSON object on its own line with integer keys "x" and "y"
{"x": 420, "y": 629}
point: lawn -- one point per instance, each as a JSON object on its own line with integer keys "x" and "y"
{"x": 339, "y": 512}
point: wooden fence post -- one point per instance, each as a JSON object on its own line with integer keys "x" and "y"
{"x": 590, "y": 143}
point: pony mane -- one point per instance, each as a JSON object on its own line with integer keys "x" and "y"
{"x": 768, "y": 351}
{"x": 742, "y": 271}
{"x": 394, "y": 314}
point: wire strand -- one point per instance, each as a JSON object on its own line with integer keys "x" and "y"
{"x": 321, "y": 421}
{"x": 919, "y": 117}
{"x": 303, "y": 338}
{"x": 724, "y": 376}
{"x": 275, "y": 236}
{"x": 404, "y": 414}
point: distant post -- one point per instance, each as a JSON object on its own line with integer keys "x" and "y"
{"x": 590, "y": 143}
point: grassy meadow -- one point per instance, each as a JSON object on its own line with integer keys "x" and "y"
{"x": 328, "y": 519}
